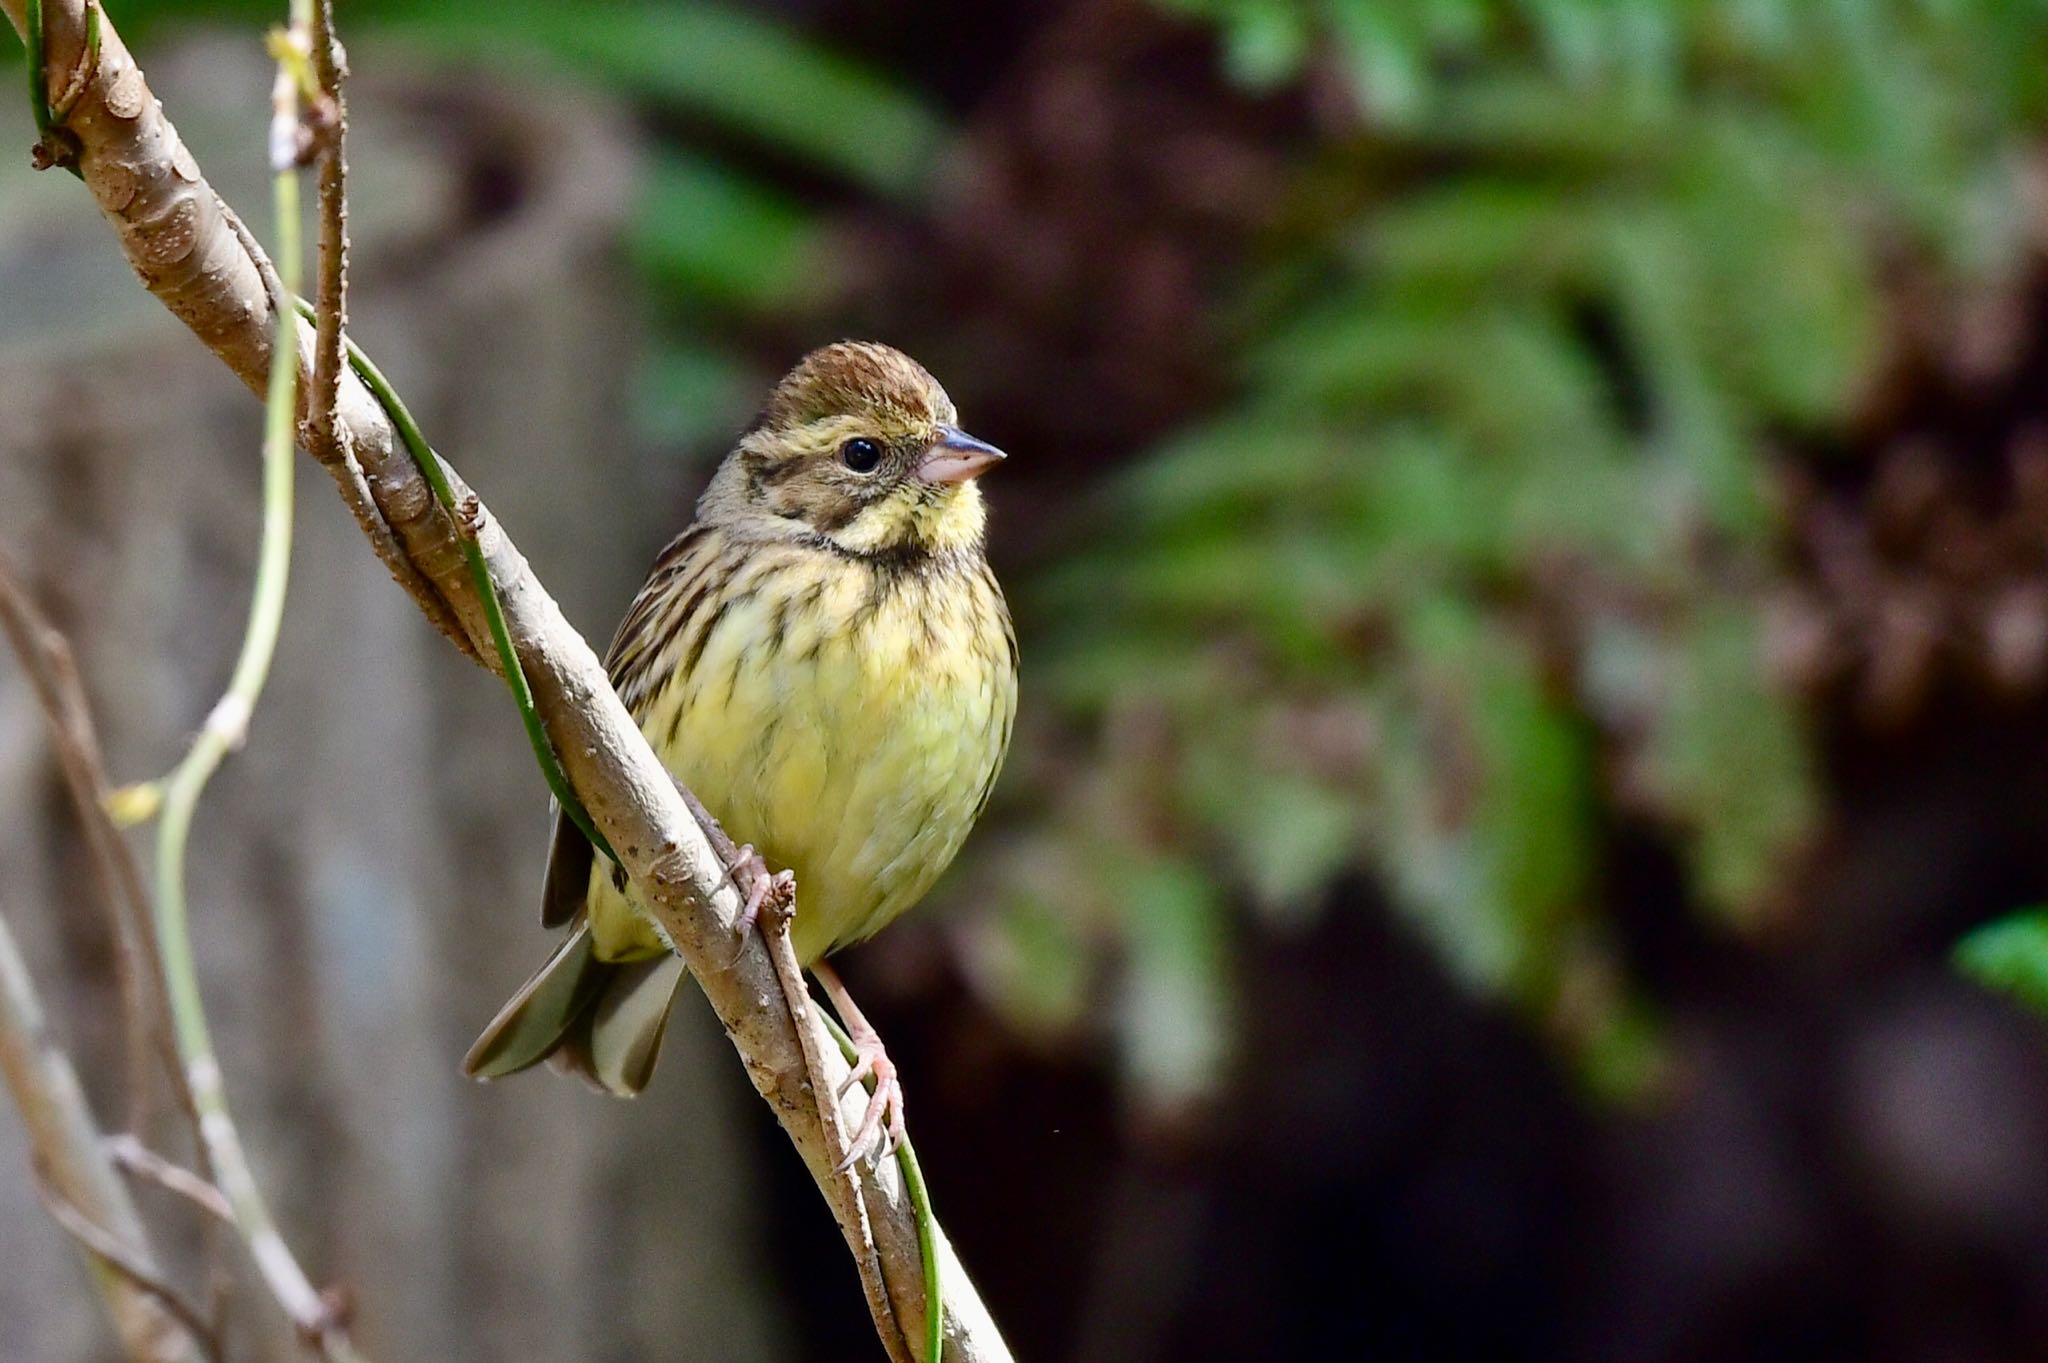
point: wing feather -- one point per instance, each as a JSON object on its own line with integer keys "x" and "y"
{"x": 636, "y": 661}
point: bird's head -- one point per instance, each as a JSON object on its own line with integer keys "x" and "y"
{"x": 857, "y": 447}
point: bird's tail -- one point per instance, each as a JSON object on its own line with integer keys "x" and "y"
{"x": 600, "y": 1019}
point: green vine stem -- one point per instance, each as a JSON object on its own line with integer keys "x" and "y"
{"x": 52, "y": 149}
{"x": 38, "y": 78}
{"x": 224, "y": 731}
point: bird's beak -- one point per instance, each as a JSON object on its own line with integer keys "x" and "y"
{"x": 956, "y": 457}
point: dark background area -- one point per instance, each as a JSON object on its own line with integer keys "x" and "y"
{"x": 1529, "y": 531}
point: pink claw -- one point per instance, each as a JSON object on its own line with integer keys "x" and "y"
{"x": 881, "y": 1126}
{"x": 749, "y": 872}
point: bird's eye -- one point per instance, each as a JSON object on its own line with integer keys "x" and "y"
{"x": 861, "y": 454}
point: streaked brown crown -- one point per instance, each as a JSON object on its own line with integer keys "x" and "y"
{"x": 857, "y": 377}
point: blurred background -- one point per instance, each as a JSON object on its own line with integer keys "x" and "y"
{"x": 1528, "y": 523}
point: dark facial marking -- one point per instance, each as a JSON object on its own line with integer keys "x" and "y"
{"x": 835, "y": 512}
{"x": 764, "y": 472}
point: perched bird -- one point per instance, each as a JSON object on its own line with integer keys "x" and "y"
{"x": 826, "y": 661}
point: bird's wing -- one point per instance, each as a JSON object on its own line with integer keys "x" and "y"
{"x": 568, "y": 880}
{"x": 634, "y": 664}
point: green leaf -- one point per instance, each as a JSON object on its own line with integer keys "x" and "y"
{"x": 1731, "y": 761}
{"x": 1174, "y": 1015}
{"x": 687, "y": 393}
{"x": 1266, "y": 41}
{"x": 751, "y": 73}
{"x": 2010, "y": 956}
{"x": 702, "y": 231}
{"x": 1387, "y": 58}
{"x": 1487, "y": 806}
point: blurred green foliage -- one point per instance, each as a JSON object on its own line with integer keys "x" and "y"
{"x": 723, "y": 63}
{"x": 2010, "y": 956}
{"x": 715, "y": 243}
{"x": 1473, "y": 567}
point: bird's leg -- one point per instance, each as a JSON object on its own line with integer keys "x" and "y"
{"x": 881, "y": 1126}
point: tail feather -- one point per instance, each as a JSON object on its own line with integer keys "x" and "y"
{"x": 532, "y": 1022}
{"x": 601, "y": 1020}
{"x": 615, "y": 1043}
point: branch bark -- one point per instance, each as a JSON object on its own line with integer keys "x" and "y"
{"x": 181, "y": 239}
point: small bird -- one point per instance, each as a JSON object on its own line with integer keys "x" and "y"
{"x": 824, "y": 658}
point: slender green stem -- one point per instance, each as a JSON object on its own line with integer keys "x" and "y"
{"x": 49, "y": 119}
{"x": 494, "y": 612}
{"x": 92, "y": 39}
{"x": 920, "y": 1206}
{"x": 223, "y": 731}
{"x": 927, "y": 1248}
{"x": 38, "y": 80}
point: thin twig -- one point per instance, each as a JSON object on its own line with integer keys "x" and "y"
{"x": 131, "y": 1156}
{"x": 329, "y": 69}
{"x": 104, "y": 1246}
{"x": 341, "y": 464}
{"x": 52, "y": 671}
{"x": 66, "y": 1156}
{"x": 326, "y": 66}
{"x": 50, "y": 663}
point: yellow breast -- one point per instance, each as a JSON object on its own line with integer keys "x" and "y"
{"x": 845, "y": 719}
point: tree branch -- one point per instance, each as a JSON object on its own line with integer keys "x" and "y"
{"x": 176, "y": 233}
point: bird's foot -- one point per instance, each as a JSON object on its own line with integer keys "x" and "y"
{"x": 881, "y": 1126}
{"x": 881, "y": 1130}
{"x": 770, "y": 892}
{"x": 763, "y": 888}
